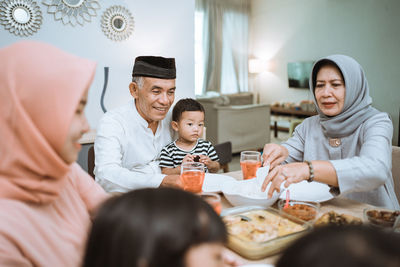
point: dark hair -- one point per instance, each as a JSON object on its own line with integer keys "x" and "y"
{"x": 186, "y": 104}
{"x": 151, "y": 227}
{"x": 345, "y": 246}
{"x": 319, "y": 65}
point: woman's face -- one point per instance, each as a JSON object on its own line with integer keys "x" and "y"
{"x": 330, "y": 90}
{"x": 78, "y": 127}
{"x": 206, "y": 254}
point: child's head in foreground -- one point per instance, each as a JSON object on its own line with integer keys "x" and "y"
{"x": 156, "y": 227}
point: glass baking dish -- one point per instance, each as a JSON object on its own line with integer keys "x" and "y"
{"x": 244, "y": 222}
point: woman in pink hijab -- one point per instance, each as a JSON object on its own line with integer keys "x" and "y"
{"x": 46, "y": 199}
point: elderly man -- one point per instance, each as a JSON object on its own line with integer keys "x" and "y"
{"x": 130, "y": 138}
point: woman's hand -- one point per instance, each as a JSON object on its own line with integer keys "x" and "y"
{"x": 274, "y": 155}
{"x": 287, "y": 174}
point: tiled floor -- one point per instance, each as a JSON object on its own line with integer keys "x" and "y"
{"x": 235, "y": 163}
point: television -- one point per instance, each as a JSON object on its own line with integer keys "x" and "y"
{"x": 299, "y": 74}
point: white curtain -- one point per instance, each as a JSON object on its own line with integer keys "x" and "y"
{"x": 224, "y": 45}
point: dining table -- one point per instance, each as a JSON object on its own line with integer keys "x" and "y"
{"x": 341, "y": 205}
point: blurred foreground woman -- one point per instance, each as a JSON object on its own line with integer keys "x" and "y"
{"x": 46, "y": 199}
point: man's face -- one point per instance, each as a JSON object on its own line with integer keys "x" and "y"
{"x": 154, "y": 98}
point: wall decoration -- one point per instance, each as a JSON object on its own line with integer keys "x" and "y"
{"x": 20, "y": 17}
{"x": 72, "y": 11}
{"x": 117, "y": 23}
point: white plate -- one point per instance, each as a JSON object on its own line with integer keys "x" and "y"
{"x": 213, "y": 182}
{"x": 305, "y": 191}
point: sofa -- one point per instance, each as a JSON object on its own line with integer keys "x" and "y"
{"x": 235, "y": 118}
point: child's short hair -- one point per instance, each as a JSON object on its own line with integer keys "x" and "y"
{"x": 186, "y": 104}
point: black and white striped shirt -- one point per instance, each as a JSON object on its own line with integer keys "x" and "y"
{"x": 171, "y": 155}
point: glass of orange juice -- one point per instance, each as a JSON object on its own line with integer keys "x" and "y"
{"x": 214, "y": 200}
{"x": 250, "y": 161}
{"x": 192, "y": 176}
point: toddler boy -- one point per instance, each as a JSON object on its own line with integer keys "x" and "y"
{"x": 188, "y": 122}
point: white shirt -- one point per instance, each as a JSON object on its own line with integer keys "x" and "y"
{"x": 127, "y": 151}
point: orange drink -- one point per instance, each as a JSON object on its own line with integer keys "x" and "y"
{"x": 250, "y": 161}
{"x": 249, "y": 168}
{"x": 192, "y": 181}
{"x": 214, "y": 200}
{"x": 192, "y": 176}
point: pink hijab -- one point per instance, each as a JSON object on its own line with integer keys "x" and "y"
{"x": 40, "y": 88}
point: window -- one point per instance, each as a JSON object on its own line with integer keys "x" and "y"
{"x": 198, "y": 52}
{"x": 221, "y": 37}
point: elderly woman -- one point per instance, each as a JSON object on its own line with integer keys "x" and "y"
{"x": 347, "y": 145}
{"x": 46, "y": 199}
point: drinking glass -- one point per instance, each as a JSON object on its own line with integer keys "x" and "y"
{"x": 250, "y": 161}
{"x": 192, "y": 176}
{"x": 214, "y": 200}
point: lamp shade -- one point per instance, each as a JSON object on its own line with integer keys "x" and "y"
{"x": 258, "y": 65}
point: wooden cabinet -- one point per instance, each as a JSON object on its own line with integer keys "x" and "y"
{"x": 289, "y": 112}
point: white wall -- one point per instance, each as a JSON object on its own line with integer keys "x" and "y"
{"x": 164, "y": 28}
{"x": 293, "y": 30}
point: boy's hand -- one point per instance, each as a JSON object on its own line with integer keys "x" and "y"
{"x": 188, "y": 158}
{"x": 205, "y": 159}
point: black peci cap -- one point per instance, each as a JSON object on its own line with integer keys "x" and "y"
{"x": 155, "y": 67}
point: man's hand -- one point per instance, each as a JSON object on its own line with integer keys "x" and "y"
{"x": 172, "y": 181}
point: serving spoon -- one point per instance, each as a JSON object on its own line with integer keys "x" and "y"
{"x": 287, "y": 199}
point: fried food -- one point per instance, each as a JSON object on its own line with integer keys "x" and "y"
{"x": 333, "y": 218}
{"x": 382, "y": 217}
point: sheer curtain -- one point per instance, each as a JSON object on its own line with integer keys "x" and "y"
{"x": 222, "y": 45}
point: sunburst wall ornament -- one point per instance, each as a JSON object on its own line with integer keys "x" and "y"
{"x": 117, "y": 23}
{"x": 20, "y": 17}
{"x": 72, "y": 11}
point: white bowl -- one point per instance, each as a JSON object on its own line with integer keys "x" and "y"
{"x": 247, "y": 192}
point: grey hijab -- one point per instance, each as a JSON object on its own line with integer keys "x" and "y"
{"x": 357, "y": 104}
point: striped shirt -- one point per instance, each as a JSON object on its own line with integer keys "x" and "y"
{"x": 171, "y": 155}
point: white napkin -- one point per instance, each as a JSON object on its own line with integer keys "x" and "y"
{"x": 252, "y": 187}
{"x": 261, "y": 173}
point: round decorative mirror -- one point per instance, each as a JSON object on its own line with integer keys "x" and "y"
{"x": 72, "y": 12}
{"x": 20, "y": 17}
{"x": 73, "y": 3}
{"x": 117, "y": 23}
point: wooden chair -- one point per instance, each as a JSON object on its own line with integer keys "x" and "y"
{"x": 224, "y": 151}
{"x": 396, "y": 170}
{"x": 90, "y": 160}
